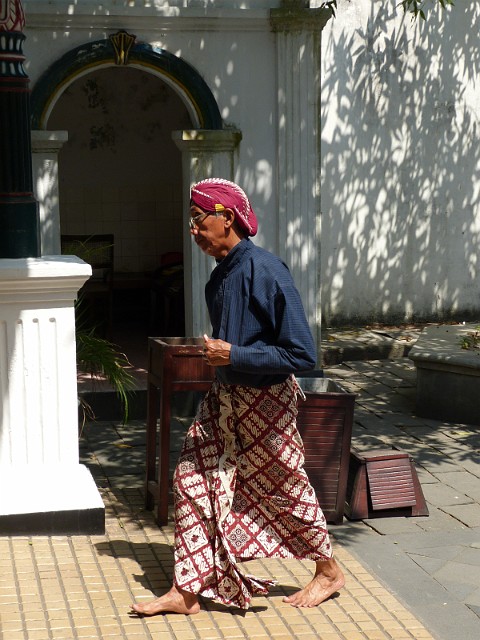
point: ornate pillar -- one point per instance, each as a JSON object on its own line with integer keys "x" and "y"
{"x": 205, "y": 154}
{"x": 298, "y": 34}
{"x": 18, "y": 208}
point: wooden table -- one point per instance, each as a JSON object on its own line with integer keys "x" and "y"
{"x": 174, "y": 364}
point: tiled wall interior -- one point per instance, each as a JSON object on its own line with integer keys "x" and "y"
{"x": 120, "y": 171}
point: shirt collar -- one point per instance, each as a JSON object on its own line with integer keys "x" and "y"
{"x": 234, "y": 256}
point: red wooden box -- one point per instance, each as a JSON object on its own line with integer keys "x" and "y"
{"x": 325, "y": 422}
{"x": 174, "y": 364}
{"x": 383, "y": 483}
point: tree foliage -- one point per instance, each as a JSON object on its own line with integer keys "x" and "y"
{"x": 415, "y": 7}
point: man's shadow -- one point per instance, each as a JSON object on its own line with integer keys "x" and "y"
{"x": 154, "y": 559}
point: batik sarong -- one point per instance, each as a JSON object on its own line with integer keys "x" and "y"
{"x": 241, "y": 492}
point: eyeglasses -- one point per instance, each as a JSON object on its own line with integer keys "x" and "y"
{"x": 194, "y": 221}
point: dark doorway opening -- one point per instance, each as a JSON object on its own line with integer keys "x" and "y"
{"x": 120, "y": 173}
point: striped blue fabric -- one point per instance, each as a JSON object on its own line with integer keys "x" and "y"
{"x": 255, "y": 306}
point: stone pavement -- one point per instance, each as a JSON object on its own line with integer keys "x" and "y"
{"x": 406, "y": 577}
{"x": 431, "y": 563}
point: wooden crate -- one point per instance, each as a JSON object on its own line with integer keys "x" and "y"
{"x": 325, "y": 421}
{"x": 383, "y": 483}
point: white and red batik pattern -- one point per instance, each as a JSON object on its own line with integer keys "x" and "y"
{"x": 241, "y": 492}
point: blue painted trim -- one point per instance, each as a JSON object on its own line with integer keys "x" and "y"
{"x": 101, "y": 52}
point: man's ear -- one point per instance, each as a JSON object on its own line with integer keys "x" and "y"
{"x": 229, "y": 216}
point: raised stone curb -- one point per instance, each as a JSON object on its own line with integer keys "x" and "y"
{"x": 448, "y": 376}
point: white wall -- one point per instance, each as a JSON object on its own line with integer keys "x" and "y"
{"x": 400, "y": 163}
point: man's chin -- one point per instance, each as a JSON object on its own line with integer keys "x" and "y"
{"x": 204, "y": 247}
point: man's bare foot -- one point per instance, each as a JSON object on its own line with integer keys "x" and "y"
{"x": 328, "y": 579}
{"x": 174, "y": 601}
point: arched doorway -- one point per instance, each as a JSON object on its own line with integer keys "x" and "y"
{"x": 121, "y": 49}
{"x": 120, "y": 174}
{"x": 95, "y": 73}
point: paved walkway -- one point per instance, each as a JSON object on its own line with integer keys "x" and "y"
{"x": 406, "y": 577}
{"x": 432, "y": 563}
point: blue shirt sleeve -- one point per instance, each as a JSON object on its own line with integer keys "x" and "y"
{"x": 293, "y": 348}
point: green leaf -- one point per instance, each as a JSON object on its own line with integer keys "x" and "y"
{"x": 99, "y": 357}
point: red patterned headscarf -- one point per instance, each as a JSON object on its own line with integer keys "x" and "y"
{"x": 215, "y": 193}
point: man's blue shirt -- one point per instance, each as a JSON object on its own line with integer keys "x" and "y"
{"x": 255, "y": 306}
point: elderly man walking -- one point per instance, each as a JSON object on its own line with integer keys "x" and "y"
{"x": 240, "y": 488}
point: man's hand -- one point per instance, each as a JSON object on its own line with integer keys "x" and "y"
{"x": 216, "y": 352}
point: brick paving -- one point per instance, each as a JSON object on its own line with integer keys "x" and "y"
{"x": 80, "y": 587}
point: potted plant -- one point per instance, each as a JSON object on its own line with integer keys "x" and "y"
{"x": 101, "y": 359}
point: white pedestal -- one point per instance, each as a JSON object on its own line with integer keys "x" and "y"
{"x": 50, "y": 500}
{"x": 44, "y": 489}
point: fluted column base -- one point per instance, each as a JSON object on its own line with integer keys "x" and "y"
{"x": 44, "y": 489}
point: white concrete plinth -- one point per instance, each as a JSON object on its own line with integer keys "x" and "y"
{"x": 44, "y": 489}
{"x": 50, "y": 500}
